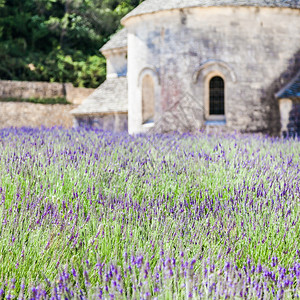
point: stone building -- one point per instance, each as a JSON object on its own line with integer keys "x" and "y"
{"x": 107, "y": 107}
{"x": 230, "y": 64}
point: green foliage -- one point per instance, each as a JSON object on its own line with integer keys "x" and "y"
{"x": 57, "y": 100}
{"x": 57, "y": 40}
{"x": 82, "y": 71}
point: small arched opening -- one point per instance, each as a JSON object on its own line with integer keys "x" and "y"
{"x": 216, "y": 96}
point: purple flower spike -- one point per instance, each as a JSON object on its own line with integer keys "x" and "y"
{"x": 74, "y": 272}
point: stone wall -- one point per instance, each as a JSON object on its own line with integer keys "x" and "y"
{"x": 32, "y": 89}
{"x": 111, "y": 122}
{"x": 294, "y": 121}
{"x": 116, "y": 62}
{"x": 14, "y": 114}
{"x": 290, "y": 117}
{"x": 76, "y": 95}
{"x": 255, "y": 50}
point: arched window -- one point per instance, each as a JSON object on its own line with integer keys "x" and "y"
{"x": 216, "y": 96}
{"x": 148, "y": 99}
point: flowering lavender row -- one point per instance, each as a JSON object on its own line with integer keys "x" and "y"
{"x": 90, "y": 214}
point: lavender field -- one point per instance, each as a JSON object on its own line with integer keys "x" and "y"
{"x": 92, "y": 215}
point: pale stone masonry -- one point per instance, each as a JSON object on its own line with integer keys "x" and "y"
{"x": 38, "y": 89}
{"x": 17, "y": 114}
{"x": 20, "y": 114}
{"x": 224, "y": 64}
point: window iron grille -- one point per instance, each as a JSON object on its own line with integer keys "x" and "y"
{"x": 216, "y": 96}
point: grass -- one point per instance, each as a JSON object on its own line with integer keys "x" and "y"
{"x": 56, "y": 100}
{"x": 91, "y": 214}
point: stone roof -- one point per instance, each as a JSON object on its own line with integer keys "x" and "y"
{"x": 110, "y": 97}
{"x": 151, "y": 6}
{"x": 292, "y": 90}
{"x": 118, "y": 40}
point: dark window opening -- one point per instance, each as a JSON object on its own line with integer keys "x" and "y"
{"x": 216, "y": 96}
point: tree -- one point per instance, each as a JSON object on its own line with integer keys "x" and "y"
{"x": 57, "y": 40}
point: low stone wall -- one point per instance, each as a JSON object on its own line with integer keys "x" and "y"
{"x": 111, "y": 122}
{"x": 27, "y": 89}
{"x": 33, "y": 89}
{"x": 76, "y": 95}
{"x": 16, "y": 114}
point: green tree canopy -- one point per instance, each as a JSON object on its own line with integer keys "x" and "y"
{"x": 57, "y": 40}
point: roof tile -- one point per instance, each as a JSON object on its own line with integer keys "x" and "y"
{"x": 292, "y": 90}
{"x": 110, "y": 97}
{"x": 150, "y": 6}
{"x": 118, "y": 40}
